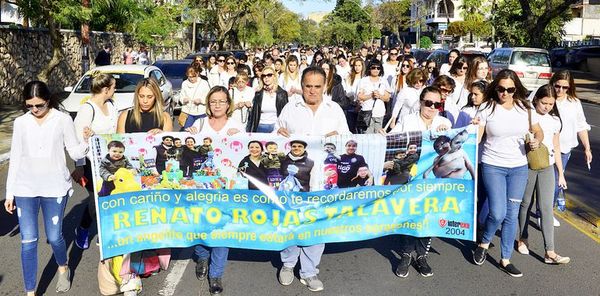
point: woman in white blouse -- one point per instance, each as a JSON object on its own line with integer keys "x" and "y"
{"x": 100, "y": 115}
{"x": 38, "y": 177}
{"x": 373, "y": 92}
{"x": 407, "y": 100}
{"x": 220, "y": 108}
{"x": 193, "y": 92}
{"x": 242, "y": 96}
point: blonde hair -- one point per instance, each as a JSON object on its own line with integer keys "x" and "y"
{"x": 241, "y": 76}
{"x": 157, "y": 108}
{"x": 286, "y": 72}
{"x": 100, "y": 81}
{"x": 214, "y": 90}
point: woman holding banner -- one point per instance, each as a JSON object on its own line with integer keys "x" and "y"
{"x": 39, "y": 178}
{"x": 219, "y": 122}
{"x": 427, "y": 118}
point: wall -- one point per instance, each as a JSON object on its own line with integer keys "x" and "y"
{"x": 23, "y": 52}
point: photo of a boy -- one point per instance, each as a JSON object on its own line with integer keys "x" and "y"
{"x": 114, "y": 160}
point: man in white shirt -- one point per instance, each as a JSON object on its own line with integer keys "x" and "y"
{"x": 312, "y": 116}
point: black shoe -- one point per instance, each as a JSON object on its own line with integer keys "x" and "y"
{"x": 479, "y": 255}
{"x": 402, "y": 269}
{"x": 511, "y": 270}
{"x": 422, "y": 266}
{"x": 215, "y": 287}
{"x": 201, "y": 268}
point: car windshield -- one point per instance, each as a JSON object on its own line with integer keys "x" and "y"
{"x": 530, "y": 58}
{"x": 126, "y": 83}
{"x": 174, "y": 70}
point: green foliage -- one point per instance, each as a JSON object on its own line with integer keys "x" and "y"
{"x": 393, "y": 15}
{"x": 536, "y": 23}
{"x": 426, "y": 42}
{"x": 349, "y": 24}
{"x": 462, "y": 28}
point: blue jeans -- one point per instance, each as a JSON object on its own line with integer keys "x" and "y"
{"x": 565, "y": 159}
{"x": 53, "y": 210}
{"x": 265, "y": 128}
{"x": 310, "y": 257}
{"x": 505, "y": 188}
{"x": 218, "y": 259}
{"x": 191, "y": 119}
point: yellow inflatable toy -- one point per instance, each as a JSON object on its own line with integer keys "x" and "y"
{"x": 125, "y": 182}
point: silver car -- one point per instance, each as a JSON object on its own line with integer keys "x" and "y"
{"x": 532, "y": 65}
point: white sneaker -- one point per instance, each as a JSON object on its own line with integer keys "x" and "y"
{"x": 556, "y": 222}
{"x": 313, "y": 283}
{"x": 134, "y": 284}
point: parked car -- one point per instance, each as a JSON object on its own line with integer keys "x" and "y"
{"x": 471, "y": 54}
{"x": 236, "y": 53}
{"x": 440, "y": 56}
{"x": 532, "y": 65}
{"x": 558, "y": 56}
{"x": 174, "y": 70}
{"x": 127, "y": 77}
{"x": 577, "y": 57}
{"x": 420, "y": 54}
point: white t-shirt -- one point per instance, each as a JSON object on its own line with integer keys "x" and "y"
{"x": 445, "y": 69}
{"x": 287, "y": 86}
{"x": 414, "y": 122}
{"x": 90, "y": 115}
{"x": 407, "y": 102}
{"x": 207, "y": 129}
{"x": 367, "y": 86}
{"x": 352, "y": 89}
{"x": 246, "y": 95}
{"x": 573, "y": 119}
{"x": 389, "y": 71}
{"x": 505, "y": 132}
{"x": 268, "y": 109}
{"x": 460, "y": 96}
{"x": 195, "y": 93}
{"x": 550, "y": 126}
{"x": 343, "y": 71}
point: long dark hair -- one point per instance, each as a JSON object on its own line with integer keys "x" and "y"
{"x": 565, "y": 75}
{"x": 482, "y": 85}
{"x": 520, "y": 95}
{"x": 458, "y": 63}
{"x": 330, "y": 81}
{"x": 39, "y": 89}
{"x": 547, "y": 90}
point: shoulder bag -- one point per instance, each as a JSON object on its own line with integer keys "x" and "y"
{"x": 539, "y": 158}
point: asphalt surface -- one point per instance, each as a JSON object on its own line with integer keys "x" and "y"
{"x": 358, "y": 268}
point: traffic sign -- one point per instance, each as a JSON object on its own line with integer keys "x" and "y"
{"x": 443, "y": 26}
{"x": 444, "y": 38}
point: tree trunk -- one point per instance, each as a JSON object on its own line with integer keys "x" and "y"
{"x": 194, "y": 36}
{"x": 57, "y": 54}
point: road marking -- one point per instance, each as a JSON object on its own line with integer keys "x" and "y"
{"x": 173, "y": 278}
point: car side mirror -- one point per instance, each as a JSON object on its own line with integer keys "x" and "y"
{"x": 68, "y": 89}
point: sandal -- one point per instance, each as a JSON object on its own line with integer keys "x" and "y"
{"x": 558, "y": 259}
{"x": 522, "y": 248}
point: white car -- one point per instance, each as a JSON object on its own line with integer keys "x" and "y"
{"x": 127, "y": 77}
{"x": 532, "y": 65}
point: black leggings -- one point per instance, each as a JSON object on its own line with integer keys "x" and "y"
{"x": 89, "y": 214}
{"x": 421, "y": 245}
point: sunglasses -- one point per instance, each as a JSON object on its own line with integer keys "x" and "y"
{"x": 405, "y": 66}
{"x": 393, "y": 53}
{"x": 510, "y": 90}
{"x": 267, "y": 75}
{"x": 430, "y": 68}
{"x": 221, "y": 61}
{"x": 40, "y": 107}
{"x": 446, "y": 90}
{"x": 230, "y": 63}
{"x": 561, "y": 87}
{"x": 430, "y": 104}
{"x": 375, "y": 68}
{"x": 465, "y": 68}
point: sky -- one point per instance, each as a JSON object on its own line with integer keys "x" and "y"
{"x": 304, "y": 7}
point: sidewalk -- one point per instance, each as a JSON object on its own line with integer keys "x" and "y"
{"x": 588, "y": 86}
{"x": 7, "y": 117}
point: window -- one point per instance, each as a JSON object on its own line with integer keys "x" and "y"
{"x": 442, "y": 9}
{"x": 125, "y": 83}
{"x": 530, "y": 58}
{"x": 158, "y": 76}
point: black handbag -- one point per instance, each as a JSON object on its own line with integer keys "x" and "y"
{"x": 363, "y": 119}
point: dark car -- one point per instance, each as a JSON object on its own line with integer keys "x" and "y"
{"x": 440, "y": 56}
{"x": 471, "y": 54}
{"x": 420, "y": 54}
{"x": 558, "y": 56}
{"x": 577, "y": 57}
{"x": 174, "y": 70}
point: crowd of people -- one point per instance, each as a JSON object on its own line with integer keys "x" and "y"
{"x": 315, "y": 91}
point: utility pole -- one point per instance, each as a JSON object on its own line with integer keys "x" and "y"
{"x": 85, "y": 41}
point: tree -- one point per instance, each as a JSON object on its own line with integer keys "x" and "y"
{"x": 535, "y": 23}
{"x": 426, "y": 42}
{"x": 349, "y": 24}
{"x": 393, "y": 15}
{"x": 475, "y": 23}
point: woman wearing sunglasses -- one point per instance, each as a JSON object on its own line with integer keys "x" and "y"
{"x": 407, "y": 101}
{"x": 38, "y": 177}
{"x": 505, "y": 120}
{"x": 458, "y": 72}
{"x": 573, "y": 120}
{"x": 230, "y": 71}
{"x": 373, "y": 92}
{"x": 267, "y": 104}
{"x": 390, "y": 66}
{"x": 427, "y": 119}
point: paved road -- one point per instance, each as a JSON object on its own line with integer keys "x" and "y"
{"x": 360, "y": 268}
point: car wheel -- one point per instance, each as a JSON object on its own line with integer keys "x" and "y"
{"x": 169, "y": 107}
